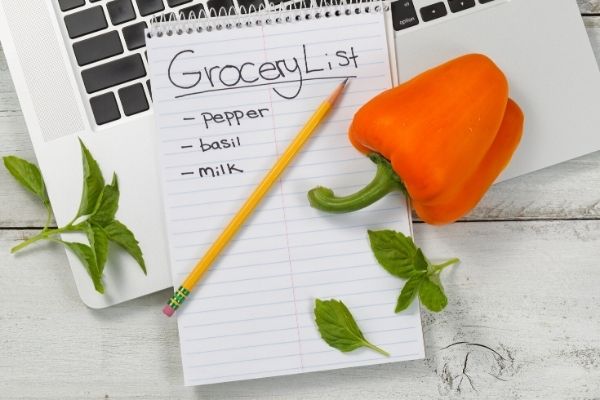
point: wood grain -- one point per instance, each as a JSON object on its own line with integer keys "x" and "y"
{"x": 525, "y": 296}
{"x": 589, "y": 6}
{"x": 522, "y": 322}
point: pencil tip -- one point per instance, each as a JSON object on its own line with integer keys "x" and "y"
{"x": 338, "y": 91}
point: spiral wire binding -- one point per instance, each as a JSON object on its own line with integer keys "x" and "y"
{"x": 240, "y": 17}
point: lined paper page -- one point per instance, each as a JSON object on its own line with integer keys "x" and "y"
{"x": 227, "y": 104}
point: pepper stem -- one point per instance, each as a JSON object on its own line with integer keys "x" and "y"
{"x": 384, "y": 182}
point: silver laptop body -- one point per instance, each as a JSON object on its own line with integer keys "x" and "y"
{"x": 66, "y": 59}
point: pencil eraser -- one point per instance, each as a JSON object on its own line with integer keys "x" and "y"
{"x": 168, "y": 310}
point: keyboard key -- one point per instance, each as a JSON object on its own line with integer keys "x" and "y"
{"x": 97, "y": 48}
{"x": 105, "y": 108}
{"x": 133, "y": 99}
{"x": 404, "y": 14}
{"x": 218, "y": 7}
{"x": 250, "y": 5}
{"x": 149, "y": 88}
{"x": 459, "y": 5}
{"x": 195, "y": 11}
{"x": 147, "y": 7}
{"x": 113, "y": 73}
{"x": 134, "y": 35}
{"x": 434, "y": 11}
{"x": 66, "y": 5}
{"x": 84, "y": 22}
{"x": 175, "y": 3}
{"x": 120, "y": 11}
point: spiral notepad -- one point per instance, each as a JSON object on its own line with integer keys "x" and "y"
{"x": 230, "y": 93}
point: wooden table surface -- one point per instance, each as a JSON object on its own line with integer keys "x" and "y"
{"x": 523, "y": 319}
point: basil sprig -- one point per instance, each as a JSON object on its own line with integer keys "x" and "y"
{"x": 95, "y": 217}
{"x": 399, "y": 255}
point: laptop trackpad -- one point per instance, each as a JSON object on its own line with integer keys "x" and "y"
{"x": 552, "y": 72}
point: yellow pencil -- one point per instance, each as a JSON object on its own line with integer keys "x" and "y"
{"x": 246, "y": 210}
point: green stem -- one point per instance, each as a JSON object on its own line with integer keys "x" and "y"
{"x": 29, "y": 241}
{"x": 45, "y": 234}
{"x": 384, "y": 182}
{"x": 436, "y": 269}
{"x": 375, "y": 348}
{"x": 48, "y": 216}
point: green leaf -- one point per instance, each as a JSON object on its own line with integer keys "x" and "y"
{"x": 93, "y": 183}
{"x": 100, "y": 247}
{"x": 28, "y": 175}
{"x": 394, "y": 251}
{"x": 108, "y": 204}
{"x": 121, "y": 235}
{"x": 420, "y": 261}
{"x": 87, "y": 257}
{"x": 431, "y": 294}
{"x": 409, "y": 291}
{"x": 338, "y": 327}
{"x": 99, "y": 243}
{"x": 398, "y": 254}
{"x": 99, "y": 204}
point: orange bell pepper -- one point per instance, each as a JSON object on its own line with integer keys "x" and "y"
{"x": 442, "y": 138}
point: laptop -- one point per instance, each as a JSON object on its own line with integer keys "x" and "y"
{"x": 80, "y": 70}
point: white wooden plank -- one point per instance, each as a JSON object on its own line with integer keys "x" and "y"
{"x": 565, "y": 191}
{"x": 592, "y": 25}
{"x": 541, "y": 195}
{"x": 527, "y": 290}
{"x": 18, "y": 208}
{"x": 589, "y": 6}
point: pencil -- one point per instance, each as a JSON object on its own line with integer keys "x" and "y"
{"x": 246, "y": 210}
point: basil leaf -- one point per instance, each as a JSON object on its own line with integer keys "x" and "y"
{"x": 398, "y": 254}
{"x": 431, "y": 294}
{"x": 338, "y": 327}
{"x": 99, "y": 242}
{"x": 93, "y": 183}
{"x": 409, "y": 292}
{"x": 108, "y": 204}
{"x": 28, "y": 175}
{"x": 121, "y": 235}
{"x": 394, "y": 251}
{"x": 87, "y": 257}
{"x": 420, "y": 262}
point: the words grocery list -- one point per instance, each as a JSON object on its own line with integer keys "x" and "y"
{"x": 284, "y": 77}
{"x": 227, "y": 104}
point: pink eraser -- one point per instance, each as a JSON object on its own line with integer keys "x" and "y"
{"x": 168, "y": 310}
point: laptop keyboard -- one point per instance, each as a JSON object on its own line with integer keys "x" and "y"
{"x": 107, "y": 38}
{"x": 404, "y": 12}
